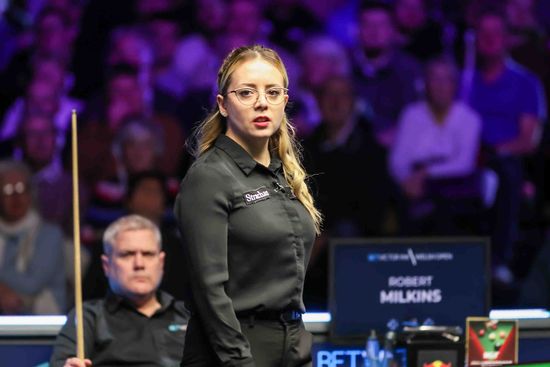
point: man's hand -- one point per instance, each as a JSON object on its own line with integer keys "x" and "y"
{"x": 10, "y": 301}
{"x": 77, "y": 362}
{"x": 414, "y": 184}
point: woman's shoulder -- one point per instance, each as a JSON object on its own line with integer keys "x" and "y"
{"x": 210, "y": 167}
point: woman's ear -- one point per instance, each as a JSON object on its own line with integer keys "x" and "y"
{"x": 221, "y": 105}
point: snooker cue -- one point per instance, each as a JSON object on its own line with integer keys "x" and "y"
{"x": 76, "y": 234}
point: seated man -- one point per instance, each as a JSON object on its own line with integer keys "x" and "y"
{"x": 135, "y": 324}
{"x": 434, "y": 158}
{"x": 32, "y": 271}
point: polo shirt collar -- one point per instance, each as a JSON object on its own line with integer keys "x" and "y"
{"x": 114, "y": 302}
{"x": 241, "y": 157}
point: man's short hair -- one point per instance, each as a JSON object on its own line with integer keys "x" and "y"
{"x": 11, "y": 165}
{"x": 131, "y": 222}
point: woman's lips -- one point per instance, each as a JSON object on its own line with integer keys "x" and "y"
{"x": 261, "y": 121}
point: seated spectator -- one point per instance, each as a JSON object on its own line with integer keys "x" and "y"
{"x": 43, "y": 96}
{"x": 164, "y": 32}
{"x": 53, "y": 36}
{"x": 32, "y": 276}
{"x": 386, "y": 78}
{"x": 137, "y": 147}
{"x": 321, "y": 58}
{"x": 135, "y": 324}
{"x": 131, "y": 46}
{"x": 291, "y": 21}
{"x": 124, "y": 101}
{"x": 437, "y": 140}
{"x": 418, "y": 34}
{"x": 37, "y": 148}
{"x": 350, "y": 180}
{"x": 510, "y": 101}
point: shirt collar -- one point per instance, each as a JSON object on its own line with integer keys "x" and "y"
{"x": 241, "y": 157}
{"x": 114, "y": 302}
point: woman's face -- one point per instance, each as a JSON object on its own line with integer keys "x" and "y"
{"x": 250, "y": 124}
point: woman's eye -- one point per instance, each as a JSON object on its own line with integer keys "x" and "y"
{"x": 246, "y": 93}
{"x": 274, "y": 92}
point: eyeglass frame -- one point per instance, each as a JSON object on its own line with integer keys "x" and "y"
{"x": 285, "y": 92}
{"x": 18, "y": 188}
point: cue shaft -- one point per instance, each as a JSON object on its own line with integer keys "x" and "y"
{"x": 76, "y": 234}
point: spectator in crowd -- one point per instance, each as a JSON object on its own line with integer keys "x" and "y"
{"x": 132, "y": 45}
{"x": 32, "y": 276}
{"x": 46, "y": 95}
{"x": 510, "y": 101}
{"x": 37, "y": 148}
{"x": 436, "y": 146}
{"x": 137, "y": 147}
{"x": 124, "y": 101}
{"x": 386, "y": 78}
{"x": 135, "y": 324}
{"x": 528, "y": 40}
{"x": 164, "y": 32}
{"x": 53, "y": 38}
{"x": 290, "y": 23}
{"x": 348, "y": 170}
{"x": 418, "y": 34}
{"x": 321, "y": 58}
{"x": 210, "y": 17}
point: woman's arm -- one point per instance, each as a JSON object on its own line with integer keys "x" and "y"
{"x": 202, "y": 210}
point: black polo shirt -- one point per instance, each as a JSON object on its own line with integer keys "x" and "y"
{"x": 248, "y": 241}
{"x": 116, "y": 334}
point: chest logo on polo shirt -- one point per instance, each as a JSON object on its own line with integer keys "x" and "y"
{"x": 252, "y": 197}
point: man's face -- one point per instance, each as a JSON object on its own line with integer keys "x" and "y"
{"x": 42, "y": 98}
{"x": 336, "y": 102}
{"x": 376, "y": 29}
{"x": 52, "y": 36}
{"x": 15, "y": 196}
{"x": 135, "y": 265}
{"x": 441, "y": 85}
{"x": 38, "y": 140}
{"x": 491, "y": 37}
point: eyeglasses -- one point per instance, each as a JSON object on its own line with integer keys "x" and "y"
{"x": 12, "y": 189}
{"x": 249, "y": 96}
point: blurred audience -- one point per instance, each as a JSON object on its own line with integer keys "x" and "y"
{"x": 52, "y": 38}
{"x": 138, "y": 146}
{"x": 32, "y": 276}
{"x": 434, "y": 157}
{"x": 290, "y": 23}
{"x": 38, "y": 149}
{"x": 46, "y": 94}
{"x": 387, "y": 79}
{"x": 123, "y": 101}
{"x": 418, "y": 34}
{"x": 510, "y": 101}
{"x": 348, "y": 175}
{"x": 154, "y": 61}
{"x": 321, "y": 58}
